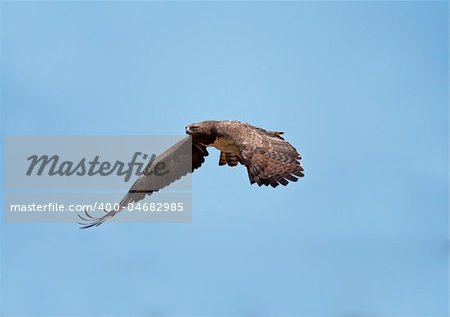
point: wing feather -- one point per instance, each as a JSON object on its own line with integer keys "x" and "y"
{"x": 179, "y": 160}
{"x": 270, "y": 160}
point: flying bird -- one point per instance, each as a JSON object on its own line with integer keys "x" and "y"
{"x": 270, "y": 160}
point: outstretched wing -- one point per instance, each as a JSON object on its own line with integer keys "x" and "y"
{"x": 270, "y": 160}
{"x": 177, "y": 163}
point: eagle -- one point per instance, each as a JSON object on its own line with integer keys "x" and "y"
{"x": 270, "y": 160}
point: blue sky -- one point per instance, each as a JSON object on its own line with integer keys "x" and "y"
{"x": 360, "y": 89}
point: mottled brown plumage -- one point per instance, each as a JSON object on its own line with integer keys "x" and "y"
{"x": 269, "y": 159}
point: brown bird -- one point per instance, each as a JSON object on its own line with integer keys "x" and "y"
{"x": 270, "y": 160}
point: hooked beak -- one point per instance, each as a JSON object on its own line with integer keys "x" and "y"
{"x": 188, "y": 130}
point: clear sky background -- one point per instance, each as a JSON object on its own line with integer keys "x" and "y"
{"x": 359, "y": 88}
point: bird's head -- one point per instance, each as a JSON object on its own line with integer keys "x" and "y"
{"x": 199, "y": 129}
